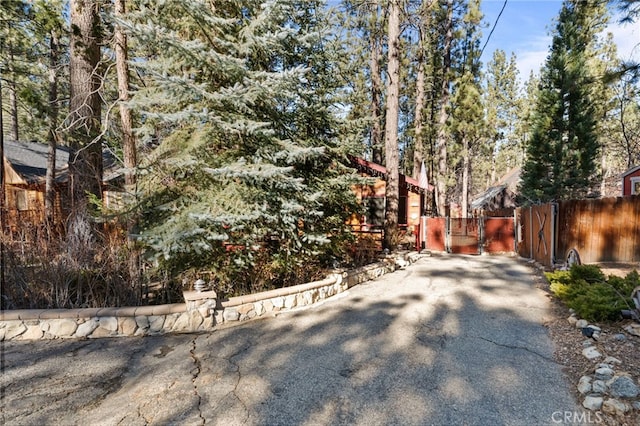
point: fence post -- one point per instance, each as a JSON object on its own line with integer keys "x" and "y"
{"x": 554, "y": 235}
{"x": 516, "y": 231}
{"x": 480, "y": 234}
{"x": 531, "y": 233}
{"x": 447, "y": 234}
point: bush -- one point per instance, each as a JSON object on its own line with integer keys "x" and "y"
{"x": 586, "y": 290}
{"x": 43, "y": 273}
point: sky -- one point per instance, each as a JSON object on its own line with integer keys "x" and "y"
{"x": 524, "y": 28}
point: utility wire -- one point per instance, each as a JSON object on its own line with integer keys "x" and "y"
{"x": 494, "y": 27}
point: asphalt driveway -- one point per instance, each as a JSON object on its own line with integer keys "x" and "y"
{"x": 448, "y": 340}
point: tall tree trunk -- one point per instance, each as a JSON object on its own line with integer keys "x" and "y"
{"x": 2, "y": 206}
{"x": 441, "y": 138}
{"x": 418, "y": 144}
{"x": 85, "y": 153}
{"x": 128, "y": 139}
{"x": 391, "y": 130}
{"x": 13, "y": 98}
{"x": 52, "y": 112}
{"x": 376, "y": 85}
{"x": 466, "y": 172}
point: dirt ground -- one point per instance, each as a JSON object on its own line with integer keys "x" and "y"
{"x": 569, "y": 345}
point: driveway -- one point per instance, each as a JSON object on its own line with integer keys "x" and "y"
{"x": 449, "y": 340}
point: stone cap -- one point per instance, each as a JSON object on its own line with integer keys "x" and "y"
{"x": 190, "y": 296}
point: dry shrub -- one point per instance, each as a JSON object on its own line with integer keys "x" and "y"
{"x": 54, "y": 272}
{"x": 365, "y": 250}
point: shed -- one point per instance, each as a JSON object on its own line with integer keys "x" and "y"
{"x": 499, "y": 197}
{"x": 631, "y": 181}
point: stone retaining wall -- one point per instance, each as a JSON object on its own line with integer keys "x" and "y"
{"x": 202, "y": 311}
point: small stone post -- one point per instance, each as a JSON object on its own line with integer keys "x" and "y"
{"x": 201, "y": 306}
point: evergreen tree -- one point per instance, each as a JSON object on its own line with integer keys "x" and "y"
{"x": 467, "y": 128}
{"x": 362, "y": 25}
{"x": 242, "y": 155}
{"x": 503, "y": 104}
{"x": 562, "y": 152}
{"x": 466, "y": 122}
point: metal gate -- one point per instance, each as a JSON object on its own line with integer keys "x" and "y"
{"x": 471, "y": 235}
{"x": 498, "y": 235}
{"x": 464, "y": 235}
{"x": 436, "y": 233}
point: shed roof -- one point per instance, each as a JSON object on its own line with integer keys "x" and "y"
{"x": 507, "y": 182}
{"x": 630, "y": 171}
{"x": 483, "y": 199}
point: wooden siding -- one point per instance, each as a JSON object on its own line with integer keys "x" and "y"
{"x": 11, "y": 177}
{"x": 604, "y": 230}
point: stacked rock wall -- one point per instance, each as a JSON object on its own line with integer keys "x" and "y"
{"x": 202, "y": 311}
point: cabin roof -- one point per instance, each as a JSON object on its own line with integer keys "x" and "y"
{"x": 507, "y": 182}
{"x": 29, "y": 160}
{"x": 376, "y": 170}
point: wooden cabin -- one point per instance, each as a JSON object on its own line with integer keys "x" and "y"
{"x": 25, "y": 165}
{"x": 413, "y": 202}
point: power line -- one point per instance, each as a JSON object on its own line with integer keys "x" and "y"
{"x": 494, "y": 27}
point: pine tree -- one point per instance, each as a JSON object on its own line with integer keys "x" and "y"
{"x": 362, "y": 26}
{"x": 444, "y": 98}
{"x": 16, "y": 59}
{"x": 242, "y": 154}
{"x": 562, "y": 152}
{"x": 466, "y": 121}
{"x": 503, "y": 105}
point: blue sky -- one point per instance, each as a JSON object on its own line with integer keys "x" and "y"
{"x": 524, "y": 28}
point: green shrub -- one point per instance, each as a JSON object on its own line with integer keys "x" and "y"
{"x": 589, "y": 273}
{"x": 593, "y": 297}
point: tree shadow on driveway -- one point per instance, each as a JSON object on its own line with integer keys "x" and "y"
{"x": 419, "y": 346}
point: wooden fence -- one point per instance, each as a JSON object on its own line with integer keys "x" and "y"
{"x": 605, "y": 230}
{"x": 600, "y": 230}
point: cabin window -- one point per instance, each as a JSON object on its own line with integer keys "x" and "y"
{"x": 635, "y": 185}
{"x": 22, "y": 201}
{"x": 373, "y": 210}
{"x": 402, "y": 210}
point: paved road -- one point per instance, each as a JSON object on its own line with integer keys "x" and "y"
{"x": 448, "y": 340}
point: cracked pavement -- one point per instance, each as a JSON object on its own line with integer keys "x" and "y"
{"x": 450, "y": 339}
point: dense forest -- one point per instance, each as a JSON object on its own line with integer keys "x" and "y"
{"x": 226, "y": 129}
